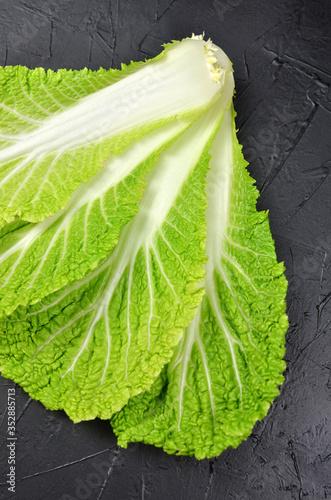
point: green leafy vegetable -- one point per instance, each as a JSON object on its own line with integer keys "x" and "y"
{"x": 56, "y": 129}
{"x": 95, "y": 343}
{"x": 172, "y": 299}
{"x": 224, "y": 373}
{"x": 38, "y": 259}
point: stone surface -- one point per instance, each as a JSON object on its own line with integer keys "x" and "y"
{"x": 281, "y": 56}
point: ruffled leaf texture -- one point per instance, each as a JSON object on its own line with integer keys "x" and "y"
{"x": 95, "y": 343}
{"x": 38, "y": 259}
{"x": 226, "y": 370}
{"x": 57, "y": 128}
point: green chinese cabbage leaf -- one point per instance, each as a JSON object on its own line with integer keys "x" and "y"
{"x": 137, "y": 288}
{"x": 224, "y": 373}
{"x": 38, "y": 259}
{"x": 92, "y": 345}
{"x": 56, "y": 129}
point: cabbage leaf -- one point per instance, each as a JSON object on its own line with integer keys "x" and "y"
{"x": 224, "y": 373}
{"x": 38, "y": 259}
{"x": 56, "y": 129}
{"x": 137, "y": 288}
{"x": 92, "y": 345}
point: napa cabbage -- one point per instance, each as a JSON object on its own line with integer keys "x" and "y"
{"x": 138, "y": 282}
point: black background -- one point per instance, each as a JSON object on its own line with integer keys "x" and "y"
{"x": 281, "y": 56}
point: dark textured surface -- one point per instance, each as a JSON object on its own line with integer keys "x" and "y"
{"x": 281, "y": 55}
